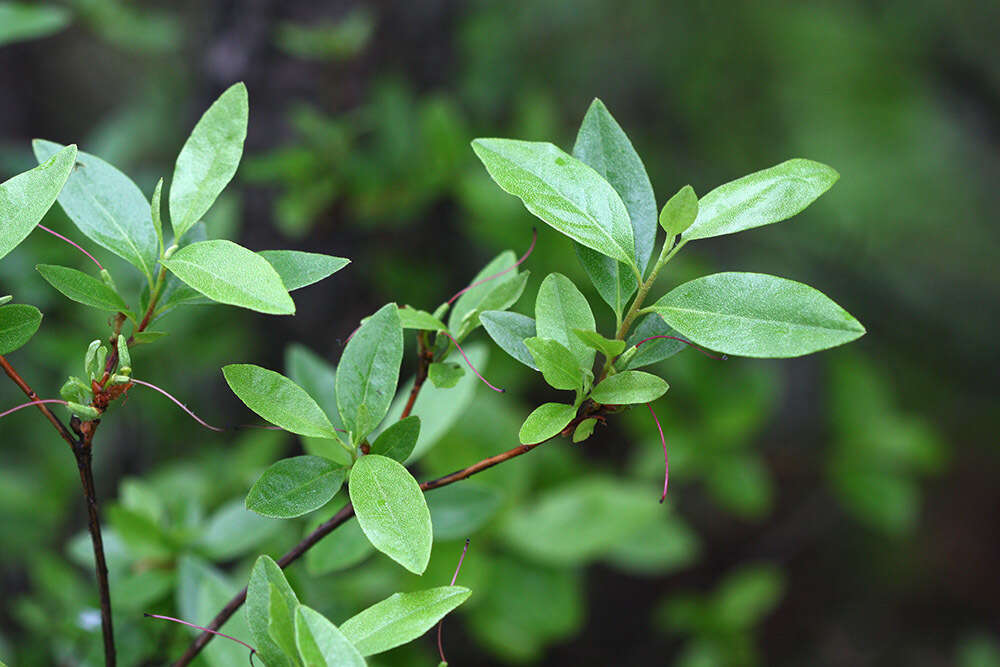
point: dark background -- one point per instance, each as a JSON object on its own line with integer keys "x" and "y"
{"x": 855, "y": 490}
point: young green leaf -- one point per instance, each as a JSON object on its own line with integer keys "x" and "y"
{"x": 445, "y": 374}
{"x": 392, "y": 511}
{"x": 270, "y": 613}
{"x": 761, "y": 198}
{"x": 18, "y": 323}
{"x": 401, "y": 618}
{"x": 679, "y": 213}
{"x": 82, "y": 288}
{"x": 411, "y": 318}
{"x": 107, "y": 207}
{"x": 471, "y": 298}
{"x": 629, "y": 387}
{"x": 509, "y": 330}
{"x": 278, "y": 400}
{"x": 25, "y": 198}
{"x": 397, "y": 441}
{"x": 156, "y": 214}
{"x": 321, "y": 644}
{"x": 563, "y": 191}
{"x": 558, "y": 365}
{"x": 228, "y": 273}
{"x": 546, "y": 421}
{"x": 609, "y": 348}
{"x": 502, "y": 297}
{"x": 369, "y": 372}
{"x": 300, "y": 269}
{"x": 560, "y": 308}
{"x": 208, "y": 159}
{"x": 757, "y": 315}
{"x": 295, "y": 486}
{"x": 584, "y": 430}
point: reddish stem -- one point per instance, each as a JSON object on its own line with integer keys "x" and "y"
{"x": 60, "y": 236}
{"x": 454, "y": 578}
{"x": 686, "y": 342}
{"x": 462, "y": 352}
{"x": 534, "y": 237}
{"x": 666, "y": 464}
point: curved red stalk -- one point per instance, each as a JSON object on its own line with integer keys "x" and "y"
{"x": 58, "y": 235}
{"x": 534, "y": 237}
{"x": 686, "y": 342}
{"x": 666, "y": 464}
{"x": 454, "y": 578}
{"x": 192, "y": 625}
{"x": 179, "y": 404}
{"x": 30, "y": 403}
{"x": 462, "y": 352}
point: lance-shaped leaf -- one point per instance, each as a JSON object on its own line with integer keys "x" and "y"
{"x": 18, "y": 323}
{"x": 369, "y": 372}
{"x": 300, "y": 269}
{"x": 278, "y": 400}
{"x": 401, "y": 618}
{"x": 629, "y": 387}
{"x": 563, "y": 191}
{"x": 270, "y": 613}
{"x": 321, "y": 644}
{"x": 559, "y": 367}
{"x": 509, "y": 331}
{"x": 80, "y": 287}
{"x": 763, "y": 197}
{"x": 107, "y": 207}
{"x": 208, "y": 159}
{"x": 231, "y": 274}
{"x": 25, "y": 198}
{"x": 397, "y": 441}
{"x": 546, "y": 421}
{"x": 757, "y": 315}
{"x": 559, "y": 309}
{"x": 392, "y": 511}
{"x": 295, "y": 486}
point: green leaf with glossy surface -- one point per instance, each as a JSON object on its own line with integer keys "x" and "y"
{"x": 270, "y": 613}
{"x": 761, "y": 198}
{"x": 295, "y": 486}
{"x": 80, "y": 287}
{"x": 606, "y": 346}
{"x": 629, "y": 388}
{"x": 107, "y": 207}
{"x": 509, "y": 331}
{"x": 411, "y": 318}
{"x": 401, "y": 618}
{"x": 563, "y": 191}
{"x": 369, "y": 372}
{"x": 300, "y": 269}
{"x": 757, "y": 315}
{"x": 228, "y": 273}
{"x": 546, "y": 421}
{"x": 208, "y": 159}
{"x": 25, "y": 198}
{"x": 679, "y": 213}
{"x": 392, "y": 511}
{"x": 321, "y": 644}
{"x": 559, "y": 309}
{"x": 397, "y": 441}
{"x": 559, "y": 367}
{"x": 278, "y": 400}
{"x": 18, "y": 323}
{"x": 445, "y": 374}
{"x": 20, "y": 21}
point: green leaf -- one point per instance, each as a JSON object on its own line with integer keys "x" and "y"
{"x": 397, "y": 441}
{"x": 546, "y": 421}
{"x": 628, "y": 388}
{"x": 757, "y": 315}
{"x": 82, "y": 288}
{"x": 614, "y": 282}
{"x": 321, "y": 644}
{"x": 5, "y": 299}
{"x": 563, "y": 191}
{"x": 300, "y": 269}
{"x": 25, "y": 198}
{"x": 502, "y": 297}
{"x": 233, "y": 531}
{"x": 651, "y": 351}
{"x": 584, "y": 430}
{"x": 392, "y": 511}
{"x": 344, "y": 548}
{"x": 763, "y": 197}
{"x": 369, "y": 372}
{"x": 318, "y": 378}
{"x": 208, "y": 159}
{"x": 21, "y": 21}
{"x": 147, "y": 336}
{"x": 231, "y": 274}
{"x": 412, "y": 318}
{"x": 559, "y": 309}
{"x": 278, "y": 400}
{"x": 18, "y": 323}
{"x": 270, "y": 613}
{"x": 459, "y": 510}
{"x": 609, "y": 348}
{"x": 665, "y": 546}
{"x": 156, "y": 215}
{"x": 558, "y": 365}
{"x": 295, "y": 486}
{"x": 401, "y": 618}
{"x": 509, "y": 331}
{"x": 475, "y": 293}
{"x": 107, "y": 207}
{"x": 679, "y": 213}
{"x": 445, "y": 374}
{"x": 748, "y": 595}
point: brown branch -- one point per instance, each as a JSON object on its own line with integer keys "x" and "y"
{"x": 346, "y": 513}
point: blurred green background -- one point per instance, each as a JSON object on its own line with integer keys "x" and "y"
{"x": 834, "y": 510}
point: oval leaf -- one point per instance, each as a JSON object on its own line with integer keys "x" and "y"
{"x": 278, "y": 400}
{"x": 209, "y": 159}
{"x": 629, "y": 387}
{"x": 763, "y": 197}
{"x": 231, "y": 274}
{"x": 401, "y": 618}
{"x": 270, "y": 613}
{"x": 546, "y": 421}
{"x": 558, "y": 365}
{"x": 392, "y": 511}
{"x": 25, "y": 198}
{"x": 295, "y": 486}
{"x": 397, "y": 441}
{"x": 757, "y": 315}
{"x": 80, "y": 287}
{"x": 679, "y": 213}
{"x": 563, "y": 191}
{"x": 300, "y": 269}
{"x": 559, "y": 309}
{"x": 321, "y": 644}
{"x": 18, "y": 323}
{"x": 509, "y": 331}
